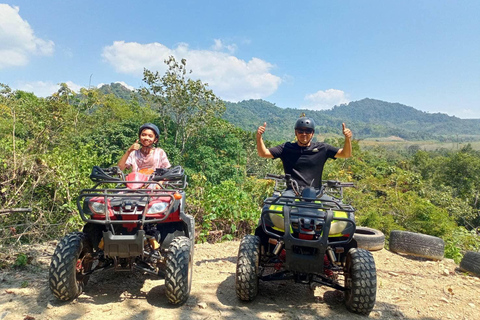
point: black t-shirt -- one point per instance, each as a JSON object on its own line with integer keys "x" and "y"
{"x": 304, "y": 164}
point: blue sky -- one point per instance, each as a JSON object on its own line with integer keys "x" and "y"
{"x": 298, "y": 54}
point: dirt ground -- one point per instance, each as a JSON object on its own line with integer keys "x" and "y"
{"x": 408, "y": 288}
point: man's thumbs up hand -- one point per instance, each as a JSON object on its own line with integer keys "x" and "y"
{"x": 346, "y": 132}
{"x": 261, "y": 129}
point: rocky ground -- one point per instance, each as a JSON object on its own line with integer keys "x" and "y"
{"x": 408, "y": 288}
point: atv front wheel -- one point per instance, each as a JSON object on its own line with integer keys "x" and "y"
{"x": 246, "y": 279}
{"x": 70, "y": 262}
{"x": 178, "y": 272}
{"x": 360, "y": 281}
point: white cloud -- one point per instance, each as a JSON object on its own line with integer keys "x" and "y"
{"x": 45, "y": 89}
{"x": 325, "y": 99}
{"x": 229, "y": 77}
{"x": 17, "y": 39}
{"x": 220, "y": 46}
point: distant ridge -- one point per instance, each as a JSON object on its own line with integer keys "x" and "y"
{"x": 368, "y": 118}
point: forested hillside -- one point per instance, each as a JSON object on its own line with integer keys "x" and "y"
{"x": 49, "y": 145}
{"x": 367, "y": 118}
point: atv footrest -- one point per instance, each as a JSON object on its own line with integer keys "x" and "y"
{"x": 123, "y": 246}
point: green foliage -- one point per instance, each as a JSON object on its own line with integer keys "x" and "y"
{"x": 21, "y": 260}
{"x": 222, "y": 206}
{"x": 460, "y": 171}
{"x": 459, "y": 241}
{"x": 217, "y": 151}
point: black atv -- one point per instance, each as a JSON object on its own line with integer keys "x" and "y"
{"x": 133, "y": 222}
{"x": 307, "y": 235}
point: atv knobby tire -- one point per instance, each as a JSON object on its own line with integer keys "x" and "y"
{"x": 471, "y": 262}
{"x": 246, "y": 278}
{"x": 360, "y": 281}
{"x": 370, "y": 239}
{"x": 417, "y": 244}
{"x": 178, "y": 271}
{"x": 70, "y": 261}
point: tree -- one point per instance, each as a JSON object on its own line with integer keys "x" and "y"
{"x": 64, "y": 93}
{"x": 462, "y": 171}
{"x": 188, "y": 102}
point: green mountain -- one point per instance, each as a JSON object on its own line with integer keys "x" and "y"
{"x": 367, "y": 118}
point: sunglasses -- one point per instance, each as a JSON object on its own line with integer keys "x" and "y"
{"x": 302, "y": 131}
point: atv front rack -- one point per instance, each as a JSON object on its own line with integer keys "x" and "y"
{"x": 140, "y": 195}
{"x": 324, "y": 211}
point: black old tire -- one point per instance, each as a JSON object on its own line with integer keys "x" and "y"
{"x": 370, "y": 239}
{"x": 246, "y": 278}
{"x": 178, "y": 271}
{"x": 417, "y": 244}
{"x": 70, "y": 261}
{"x": 360, "y": 281}
{"x": 471, "y": 262}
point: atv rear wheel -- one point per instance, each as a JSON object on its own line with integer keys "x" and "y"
{"x": 246, "y": 279}
{"x": 178, "y": 272}
{"x": 70, "y": 262}
{"x": 360, "y": 281}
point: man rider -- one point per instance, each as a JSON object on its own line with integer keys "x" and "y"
{"x": 304, "y": 160}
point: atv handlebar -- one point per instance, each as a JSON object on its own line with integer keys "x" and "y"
{"x": 337, "y": 184}
{"x": 173, "y": 177}
{"x": 274, "y": 176}
{"x": 325, "y": 183}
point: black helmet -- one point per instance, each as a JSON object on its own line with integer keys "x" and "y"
{"x": 150, "y": 126}
{"x": 305, "y": 122}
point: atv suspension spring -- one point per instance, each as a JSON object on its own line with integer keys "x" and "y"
{"x": 278, "y": 248}
{"x": 331, "y": 255}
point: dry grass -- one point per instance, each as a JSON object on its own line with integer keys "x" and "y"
{"x": 399, "y": 144}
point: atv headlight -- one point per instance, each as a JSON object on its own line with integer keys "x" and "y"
{"x": 337, "y": 227}
{"x": 158, "y": 207}
{"x": 97, "y": 207}
{"x": 277, "y": 221}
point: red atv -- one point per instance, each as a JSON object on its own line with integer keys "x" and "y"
{"x": 135, "y": 222}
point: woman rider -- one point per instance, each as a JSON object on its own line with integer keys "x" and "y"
{"x": 144, "y": 157}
